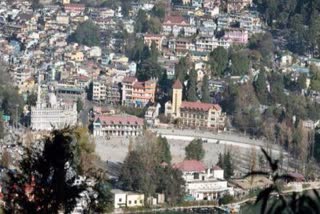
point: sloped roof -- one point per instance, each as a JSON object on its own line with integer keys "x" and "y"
{"x": 190, "y": 166}
{"x": 177, "y": 85}
{"x": 119, "y": 119}
{"x": 199, "y": 106}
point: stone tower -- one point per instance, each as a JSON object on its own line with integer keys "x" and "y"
{"x": 176, "y": 98}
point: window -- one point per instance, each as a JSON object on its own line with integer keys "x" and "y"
{"x": 135, "y": 201}
{"x": 129, "y": 202}
{"x": 140, "y": 201}
{"x": 120, "y": 199}
{"x": 195, "y": 175}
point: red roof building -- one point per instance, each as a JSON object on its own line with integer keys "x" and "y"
{"x": 74, "y": 8}
{"x": 118, "y": 125}
{"x": 190, "y": 166}
{"x": 199, "y": 106}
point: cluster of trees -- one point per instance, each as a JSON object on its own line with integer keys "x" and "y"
{"x": 219, "y": 62}
{"x": 297, "y": 20}
{"x": 48, "y": 171}
{"x": 315, "y": 78}
{"x": 11, "y": 102}
{"x": 149, "y": 23}
{"x": 147, "y": 169}
{"x": 195, "y": 151}
{"x": 87, "y": 33}
{"x": 147, "y": 59}
{"x": 185, "y": 72}
{"x": 225, "y": 163}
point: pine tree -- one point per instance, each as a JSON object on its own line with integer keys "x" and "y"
{"x": 164, "y": 150}
{"x": 154, "y": 52}
{"x": 195, "y": 151}
{"x": 192, "y": 86}
{"x": 220, "y": 161}
{"x": 260, "y": 86}
{"x": 205, "y": 94}
{"x": 228, "y": 167}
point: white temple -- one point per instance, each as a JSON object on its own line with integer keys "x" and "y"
{"x": 52, "y": 114}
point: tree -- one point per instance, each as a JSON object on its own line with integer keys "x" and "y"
{"x": 164, "y": 150}
{"x": 171, "y": 183}
{"x": 48, "y": 173}
{"x": 144, "y": 170}
{"x": 192, "y": 86}
{"x": 1, "y": 127}
{"x": 205, "y": 94}
{"x": 194, "y": 150}
{"x": 154, "y": 53}
{"x": 87, "y": 33}
{"x": 239, "y": 64}
{"x": 132, "y": 172}
{"x": 277, "y": 88}
{"x": 159, "y": 10}
{"x": 260, "y": 86}
{"x": 181, "y": 69}
{"x": 228, "y": 166}
{"x": 302, "y": 82}
{"x": 84, "y": 151}
{"x": 220, "y": 162}
{"x": 32, "y": 99}
{"x": 141, "y": 24}
{"x": 149, "y": 69}
{"x": 218, "y": 61}
{"x": 79, "y": 105}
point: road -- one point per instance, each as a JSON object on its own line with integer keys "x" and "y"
{"x": 227, "y": 138}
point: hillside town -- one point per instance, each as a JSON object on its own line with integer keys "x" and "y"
{"x": 156, "y": 104}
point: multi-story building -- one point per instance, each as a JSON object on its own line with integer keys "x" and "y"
{"x": 206, "y": 43}
{"x": 74, "y": 8}
{"x": 21, "y": 75}
{"x": 99, "y": 91}
{"x": 46, "y": 116}
{"x": 174, "y": 25}
{"x": 117, "y": 125}
{"x": 195, "y": 114}
{"x": 103, "y": 91}
{"x": 135, "y": 93}
{"x": 236, "y": 36}
{"x": 203, "y": 183}
{"x": 235, "y": 6}
{"x": 157, "y": 39}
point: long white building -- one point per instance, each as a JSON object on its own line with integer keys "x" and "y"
{"x": 53, "y": 114}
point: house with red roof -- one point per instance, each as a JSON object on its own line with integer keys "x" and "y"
{"x": 202, "y": 182}
{"x": 194, "y": 114}
{"x": 117, "y": 125}
{"x": 175, "y": 25}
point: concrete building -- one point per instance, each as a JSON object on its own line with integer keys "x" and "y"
{"x": 117, "y": 125}
{"x": 157, "y": 39}
{"x": 52, "y": 114}
{"x": 127, "y": 199}
{"x": 135, "y": 93}
{"x": 203, "y": 183}
{"x": 195, "y": 114}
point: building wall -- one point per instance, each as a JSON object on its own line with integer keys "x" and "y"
{"x": 135, "y": 200}
{"x": 120, "y": 200}
{"x": 45, "y": 118}
{"x": 176, "y": 101}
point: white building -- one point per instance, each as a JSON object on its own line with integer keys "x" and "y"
{"x": 127, "y": 199}
{"x": 52, "y": 114}
{"x": 203, "y": 183}
{"x": 118, "y": 125}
